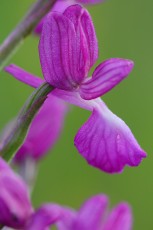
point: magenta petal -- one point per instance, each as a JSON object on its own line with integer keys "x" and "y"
{"x": 23, "y": 76}
{"x": 44, "y": 217}
{"x": 83, "y": 23}
{"x": 62, "y": 52}
{"x": 90, "y": 215}
{"x": 120, "y": 218}
{"x": 106, "y": 76}
{"x": 107, "y": 143}
{"x": 55, "y": 40}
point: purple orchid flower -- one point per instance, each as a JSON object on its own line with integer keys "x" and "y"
{"x": 60, "y": 6}
{"x": 44, "y": 130}
{"x": 91, "y": 215}
{"x": 68, "y": 49}
{"x": 15, "y": 206}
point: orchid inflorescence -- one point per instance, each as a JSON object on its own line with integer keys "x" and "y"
{"x": 68, "y": 49}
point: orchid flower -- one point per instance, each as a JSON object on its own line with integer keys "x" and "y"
{"x": 91, "y": 216}
{"x": 15, "y": 206}
{"x": 68, "y": 49}
{"x": 60, "y": 6}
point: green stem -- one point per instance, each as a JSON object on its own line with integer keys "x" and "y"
{"x": 20, "y": 128}
{"x": 24, "y": 28}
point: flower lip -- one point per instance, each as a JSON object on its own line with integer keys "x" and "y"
{"x": 107, "y": 143}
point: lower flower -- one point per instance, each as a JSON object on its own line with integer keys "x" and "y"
{"x": 91, "y": 216}
{"x": 17, "y": 212}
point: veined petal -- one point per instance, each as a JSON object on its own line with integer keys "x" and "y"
{"x": 55, "y": 49}
{"x": 23, "y": 76}
{"x": 120, "y": 218}
{"x": 62, "y": 52}
{"x": 90, "y": 215}
{"x": 107, "y": 143}
{"x": 106, "y": 76}
{"x": 83, "y": 24}
{"x": 44, "y": 217}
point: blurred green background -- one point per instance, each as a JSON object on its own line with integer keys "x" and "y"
{"x": 124, "y": 29}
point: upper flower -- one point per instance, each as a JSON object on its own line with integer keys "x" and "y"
{"x": 68, "y": 49}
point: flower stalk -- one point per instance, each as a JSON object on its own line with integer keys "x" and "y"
{"x": 20, "y": 128}
{"x": 23, "y": 29}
